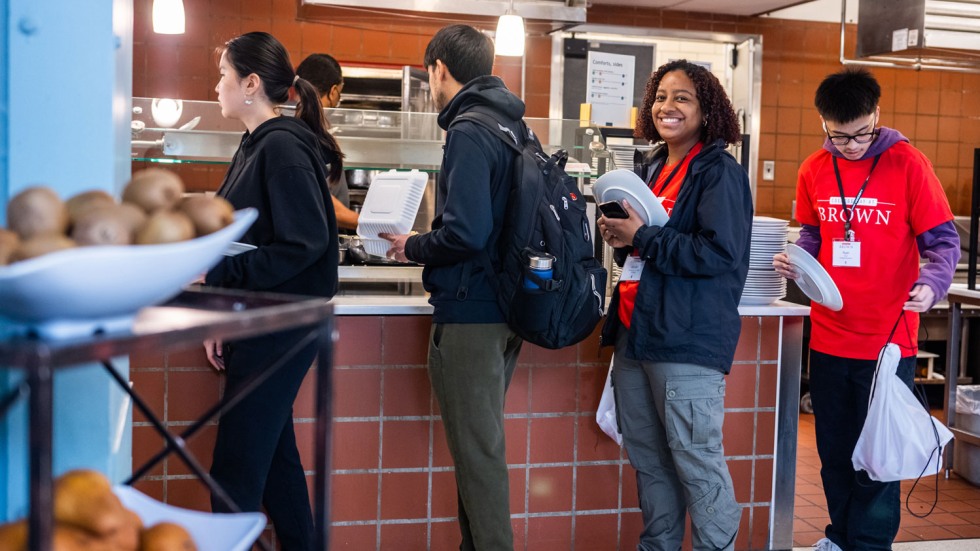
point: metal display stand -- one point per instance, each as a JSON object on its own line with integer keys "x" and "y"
{"x": 954, "y": 349}
{"x": 957, "y": 298}
{"x": 191, "y": 317}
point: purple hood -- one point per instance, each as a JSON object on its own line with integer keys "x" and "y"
{"x": 887, "y": 137}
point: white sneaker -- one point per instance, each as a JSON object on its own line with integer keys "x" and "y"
{"x": 826, "y": 545}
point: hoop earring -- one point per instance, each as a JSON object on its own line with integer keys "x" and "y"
{"x": 705, "y": 121}
{"x": 248, "y": 101}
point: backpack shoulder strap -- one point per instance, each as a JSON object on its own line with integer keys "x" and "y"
{"x": 492, "y": 124}
{"x": 506, "y": 135}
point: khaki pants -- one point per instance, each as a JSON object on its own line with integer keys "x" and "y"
{"x": 470, "y": 367}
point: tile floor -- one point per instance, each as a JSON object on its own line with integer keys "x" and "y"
{"x": 956, "y": 516}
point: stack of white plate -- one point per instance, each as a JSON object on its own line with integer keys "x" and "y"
{"x": 763, "y": 285}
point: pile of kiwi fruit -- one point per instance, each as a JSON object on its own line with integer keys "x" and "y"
{"x": 89, "y": 517}
{"x": 154, "y": 210}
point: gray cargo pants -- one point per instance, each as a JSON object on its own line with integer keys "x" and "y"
{"x": 470, "y": 367}
{"x": 671, "y": 416}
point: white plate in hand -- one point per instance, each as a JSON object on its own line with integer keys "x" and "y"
{"x": 622, "y": 183}
{"x": 814, "y": 280}
{"x": 236, "y": 248}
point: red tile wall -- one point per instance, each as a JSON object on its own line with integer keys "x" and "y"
{"x": 571, "y": 486}
{"x": 939, "y": 111}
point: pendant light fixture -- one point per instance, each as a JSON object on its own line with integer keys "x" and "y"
{"x": 509, "y": 39}
{"x": 168, "y": 16}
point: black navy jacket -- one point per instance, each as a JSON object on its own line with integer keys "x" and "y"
{"x": 280, "y": 170}
{"x": 471, "y": 201}
{"x": 687, "y": 306}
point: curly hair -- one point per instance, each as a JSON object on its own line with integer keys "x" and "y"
{"x": 722, "y": 122}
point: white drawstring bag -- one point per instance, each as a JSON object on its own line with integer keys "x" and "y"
{"x": 900, "y": 440}
{"x": 605, "y": 415}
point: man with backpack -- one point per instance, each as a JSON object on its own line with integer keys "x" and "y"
{"x": 472, "y": 350}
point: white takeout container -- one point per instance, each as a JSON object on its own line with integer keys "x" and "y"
{"x": 391, "y": 203}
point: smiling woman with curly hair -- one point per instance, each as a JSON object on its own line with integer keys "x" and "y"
{"x": 720, "y": 120}
{"x": 674, "y": 316}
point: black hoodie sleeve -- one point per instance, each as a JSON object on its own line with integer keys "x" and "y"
{"x": 468, "y": 217}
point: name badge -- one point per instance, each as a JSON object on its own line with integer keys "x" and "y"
{"x": 633, "y": 269}
{"x": 847, "y": 254}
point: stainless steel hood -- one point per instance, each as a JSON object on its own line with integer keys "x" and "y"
{"x": 572, "y": 11}
{"x": 920, "y": 29}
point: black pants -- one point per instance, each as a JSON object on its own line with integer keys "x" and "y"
{"x": 255, "y": 456}
{"x": 864, "y": 514}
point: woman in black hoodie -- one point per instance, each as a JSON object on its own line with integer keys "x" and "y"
{"x": 281, "y": 168}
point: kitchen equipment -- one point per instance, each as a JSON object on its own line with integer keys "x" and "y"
{"x": 355, "y": 248}
{"x": 360, "y": 253}
{"x": 387, "y": 89}
{"x": 80, "y": 291}
{"x": 361, "y": 178}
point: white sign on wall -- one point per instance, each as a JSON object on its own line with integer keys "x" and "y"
{"x": 610, "y": 88}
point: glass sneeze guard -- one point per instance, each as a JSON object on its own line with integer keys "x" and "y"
{"x": 183, "y": 131}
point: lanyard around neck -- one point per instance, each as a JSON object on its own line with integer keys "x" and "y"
{"x": 849, "y": 212}
{"x": 670, "y": 176}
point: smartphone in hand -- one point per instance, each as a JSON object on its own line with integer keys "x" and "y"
{"x": 613, "y": 209}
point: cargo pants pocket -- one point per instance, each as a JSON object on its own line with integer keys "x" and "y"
{"x": 694, "y": 411}
{"x": 715, "y": 518}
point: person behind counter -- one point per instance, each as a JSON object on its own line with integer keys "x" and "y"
{"x": 280, "y": 169}
{"x": 674, "y": 316}
{"x": 472, "y": 351}
{"x": 895, "y": 209}
{"x": 323, "y": 72}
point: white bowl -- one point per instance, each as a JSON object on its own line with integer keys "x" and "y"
{"x": 211, "y": 531}
{"x": 77, "y": 291}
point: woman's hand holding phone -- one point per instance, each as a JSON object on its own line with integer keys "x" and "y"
{"x": 618, "y": 230}
{"x": 613, "y": 209}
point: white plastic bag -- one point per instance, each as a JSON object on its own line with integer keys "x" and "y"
{"x": 605, "y": 415}
{"x": 968, "y": 399}
{"x": 899, "y": 438}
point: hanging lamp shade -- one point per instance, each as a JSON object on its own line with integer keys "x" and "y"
{"x": 509, "y": 40}
{"x": 168, "y": 16}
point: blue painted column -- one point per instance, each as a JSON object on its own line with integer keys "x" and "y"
{"x": 65, "y": 100}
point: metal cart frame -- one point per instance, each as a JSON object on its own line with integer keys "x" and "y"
{"x": 191, "y": 317}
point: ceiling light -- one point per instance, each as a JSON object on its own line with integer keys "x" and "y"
{"x": 509, "y": 39}
{"x": 168, "y": 16}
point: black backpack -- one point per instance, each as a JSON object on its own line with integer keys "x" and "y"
{"x": 545, "y": 216}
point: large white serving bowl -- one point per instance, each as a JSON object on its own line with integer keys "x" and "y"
{"x": 211, "y": 531}
{"x": 94, "y": 288}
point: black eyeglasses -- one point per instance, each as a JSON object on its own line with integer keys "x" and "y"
{"x": 862, "y": 138}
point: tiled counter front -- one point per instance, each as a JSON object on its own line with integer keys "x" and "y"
{"x": 571, "y": 486}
